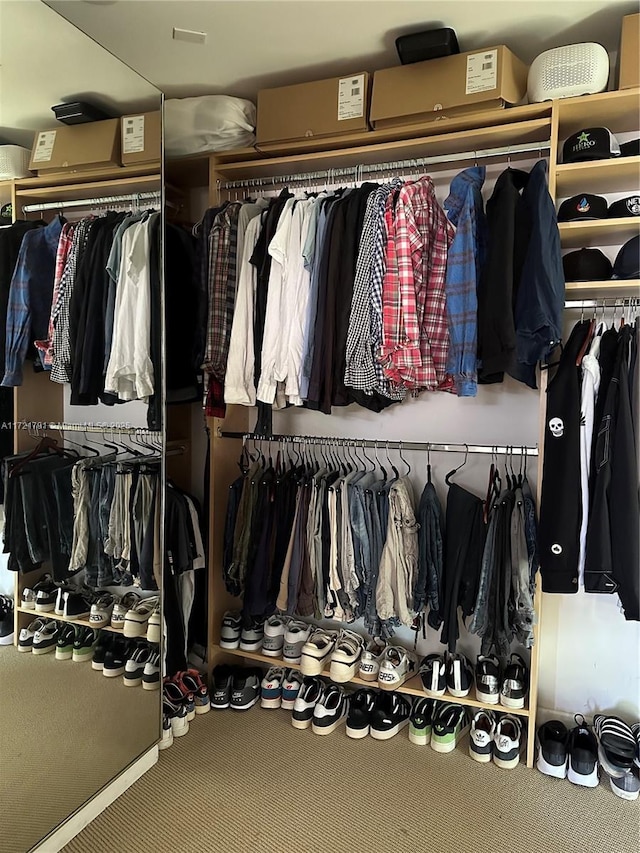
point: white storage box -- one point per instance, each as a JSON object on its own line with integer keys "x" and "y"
{"x": 207, "y": 123}
{"x": 14, "y": 162}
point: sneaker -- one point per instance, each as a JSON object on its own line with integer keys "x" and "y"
{"x": 346, "y": 656}
{"x": 310, "y": 694}
{"x": 488, "y": 680}
{"x": 330, "y": 711}
{"x": 370, "y": 660}
{"x": 483, "y": 729}
{"x": 101, "y": 610}
{"x": 251, "y": 636}
{"x": 76, "y": 605}
{"x": 45, "y": 639}
{"x": 317, "y": 651}
{"x": 421, "y": 721}
{"x": 245, "y": 688}
{"x": 515, "y": 683}
{"x": 627, "y": 786}
{"x": 25, "y": 638}
{"x": 635, "y": 728}
{"x": 552, "y": 740}
{"x": 167, "y": 734}
{"x": 295, "y": 636}
{"x": 174, "y": 692}
{"x": 177, "y": 716}
{"x": 395, "y": 667}
{"x": 273, "y": 639}
{"x": 390, "y": 715}
{"x": 116, "y": 656}
{"x": 271, "y": 688}
{"x": 432, "y": 675}
{"x": 42, "y": 596}
{"x": 360, "y": 709}
{"x": 6, "y": 621}
{"x": 191, "y": 682}
{"x": 64, "y": 643}
{"x": 507, "y": 742}
{"x": 449, "y": 724}
{"x": 103, "y": 644}
{"x": 617, "y": 746}
{"x": 122, "y": 607}
{"x": 62, "y": 588}
{"x": 230, "y": 630}
{"x": 137, "y": 618}
{"x": 135, "y": 664}
{"x": 154, "y": 626}
{"x": 83, "y": 644}
{"x": 290, "y": 688}
{"x": 151, "y": 672}
{"x": 583, "y": 755}
{"x": 459, "y": 675}
{"x": 221, "y": 679}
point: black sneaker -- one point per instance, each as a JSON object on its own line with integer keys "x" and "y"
{"x": 583, "y": 755}
{"x": 432, "y": 674}
{"x": 44, "y": 602}
{"x": 360, "y": 708}
{"x": 134, "y": 667}
{"x": 488, "y": 680}
{"x": 459, "y": 675}
{"x": 450, "y": 723}
{"x": 515, "y": 683}
{"x": 116, "y": 656}
{"x": 176, "y": 713}
{"x": 76, "y": 605}
{"x": 64, "y": 644}
{"x": 421, "y": 721}
{"x": 221, "y": 679}
{"x": 245, "y": 688}
{"x": 308, "y": 696}
{"x": 390, "y": 715}
{"x": 103, "y": 644}
{"x": 44, "y": 640}
{"x": 331, "y": 710}
{"x": 83, "y": 644}
{"x": 616, "y": 744}
{"x": 552, "y": 742}
{"x": 25, "y": 638}
{"x": 62, "y": 587}
{"x": 6, "y": 620}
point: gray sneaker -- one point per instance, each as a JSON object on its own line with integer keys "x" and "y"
{"x": 245, "y": 688}
{"x": 295, "y": 637}
{"x": 627, "y": 787}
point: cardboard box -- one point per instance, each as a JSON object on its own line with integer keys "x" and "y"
{"x": 629, "y": 63}
{"x": 141, "y": 138}
{"x": 447, "y": 87}
{"x": 322, "y": 108}
{"x": 77, "y": 148}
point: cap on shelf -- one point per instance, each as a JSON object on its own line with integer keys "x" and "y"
{"x": 627, "y": 263}
{"x": 629, "y": 206}
{"x": 583, "y": 206}
{"x": 631, "y": 148}
{"x": 586, "y": 265}
{"x": 593, "y": 143}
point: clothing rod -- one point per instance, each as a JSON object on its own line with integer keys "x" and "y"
{"x": 619, "y": 302}
{"x": 500, "y": 450}
{"x": 399, "y": 165}
{"x": 93, "y": 202}
{"x": 65, "y": 427}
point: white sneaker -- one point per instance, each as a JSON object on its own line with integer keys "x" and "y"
{"x": 295, "y": 636}
{"x": 271, "y": 688}
{"x": 330, "y": 711}
{"x": 122, "y": 607}
{"x": 137, "y": 618}
{"x": 273, "y": 640}
{"x": 483, "y": 729}
{"x": 317, "y": 651}
{"x": 154, "y": 626}
{"x": 370, "y": 660}
{"x": 395, "y": 667}
{"x": 231, "y": 630}
{"x": 311, "y": 692}
{"x": 345, "y": 657}
{"x": 507, "y": 742}
{"x": 101, "y": 611}
{"x": 26, "y": 635}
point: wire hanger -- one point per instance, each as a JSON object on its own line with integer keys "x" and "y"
{"x": 403, "y": 459}
{"x": 451, "y": 473}
{"x": 393, "y": 467}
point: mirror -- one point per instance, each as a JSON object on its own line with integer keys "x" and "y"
{"x": 80, "y": 509}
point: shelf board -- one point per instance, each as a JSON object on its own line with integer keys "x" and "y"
{"x": 112, "y": 173}
{"x": 616, "y": 110}
{"x": 598, "y": 176}
{"x": 52, "y": 615}
{"x": 598, "y": 232}
{"x": 121, "y": 186}
{"x": 611, "y": 289}
{"x": 413, "y": 687}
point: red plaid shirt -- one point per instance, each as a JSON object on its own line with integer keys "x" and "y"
{"x": 64, "y": 247}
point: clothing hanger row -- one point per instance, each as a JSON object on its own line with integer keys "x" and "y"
{"x": 142, "y": 444}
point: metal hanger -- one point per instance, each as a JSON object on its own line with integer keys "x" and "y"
{"x": 393, "y": 467}
{"x": 403, "y": 459}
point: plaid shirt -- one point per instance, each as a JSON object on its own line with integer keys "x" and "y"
{"x": 64, "y": 247}
{"x": 359, "y": 365}
{"x": 416, "y": 336}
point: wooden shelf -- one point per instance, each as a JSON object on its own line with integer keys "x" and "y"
{"x": 621, "y": 174}
{"x": 113, "y": 173}
{"x": 616, "y": 110}
{"x": 66, "y": 192}
{"x": 598, "y": 232}
{"x": 413, "y": 687}
{"x": 52, "y": 615}
{"x": 611, "y": 289}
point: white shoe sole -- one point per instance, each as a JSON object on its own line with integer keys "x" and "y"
{"x": 449, "y": 747}
{"x": 512, "y": 703}
{"x": 272, "y": 653}
{"x": 80, "y": 658}
{"x": 509, "y": 764}
{"x": 181, "y": 728}
{"x": 166, "y": 741}
{"x": 271, "y": 703}
{"x": 487, "y": 698}
{"x": 63, "y": 655}
{"x": 118, "y": 625}
{"x": 220, "y": 707}
{"x": 433, "y": 694}
{"x": 250, "y": 647}
{"x": 292, "y": 661}
{"x": 368, "y": 676}
{"x": 44, "y": 651}
{"x": 458, "y": 694}
{"x": 624, "y": 795}
{"x": 151, "y": 685}
{"x": 310, "y": 665}
{"x": 191, "y": 715}
{"x": 7, "y": 640}
{"x": 97, "y": 666}
{"x": 287, "y": 704}
{"x": 154, "y": 634}
{"x": 421, "y": 739}
{"x": 28, "y": 605}
{"x": 131, "y": 682}
{"x": 244, "y": 707}
{"x": 340, "y": 672}
{"x": 44, "y": 608}
{"x": 557, "y": 771}
{"x": 590, "y": 781}
{"x": 134, "y": 629}
{"x": 113, "y": 673}
{"x": 357, "y": 734}
{"x": 25, "y": 648}
{"x": 376, "y": 735}
{"x": 480, "y": 757}
{"x": 202, "y": 709}
{"x": 230, "y": 644}
{"x": 392, "y": 685}
{"x": 327, "y": 730}
{"x": 300, "y": 724}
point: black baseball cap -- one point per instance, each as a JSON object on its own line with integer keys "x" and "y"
{"x": 627, "y": 263}
{"x": 593, "y": 143}
{"x": 631, "y": 148}
{"x": 586, "y": 265}
{"x": 583, "y": 206}
{"x": 625, "y": 207}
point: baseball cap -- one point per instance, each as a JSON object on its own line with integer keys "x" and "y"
{"x": 631, "y": 148}
{"x": 629, "y": 206}
{"x": 583, "y": 206}
{"x": 627, "y": 263}
{"x": 586, "y": 265}
{"x": 593, "y": 143}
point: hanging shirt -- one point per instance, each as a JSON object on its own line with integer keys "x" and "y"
{"x": 64, "y": 247}
{"x": 589, "y": 392}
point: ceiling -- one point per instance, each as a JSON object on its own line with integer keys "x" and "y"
{"x": 44, "y": 60}
{"x": 255, "y": 44}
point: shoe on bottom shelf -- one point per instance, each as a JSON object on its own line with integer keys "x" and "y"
{"x": 507, "y": 742}
{"x": 390, "y": 715}
{"x": 177, "y": 716}
{"x": 421, "y": 721}
{"x": 6, "y": 620}
{"x": 450, "y": 723}
{"x": 481, "y": 735}
{"x": 45, "y": 639}
{"x": 103, "y": 644}
{"x": 583, "y": 755}
{"x": 330, "y": 711}
{"x": 64, "y": 644}
{"x": 308, "y": 697}
{"x": 173, "y": 691}
{"x": 360, "y": 709}
{"x": 166, "y": 739}
{"x": 134, "y": 667}
{"x": 626, "y": 787}
{"x": 290, "y": 688}
{"x": 151, "y": 672}
{"x": 271, "y": 688}
{"x": 25, "y": 638}
{"x": 245, "y": 688}
{"x": 83, "y": 644}
{"x": 221, "y": 679}
{"x": 617, "y": 747}
{"x": 552, "y": 741}
{"x": 191, "y": 682}
{"x": 116, "y": 656}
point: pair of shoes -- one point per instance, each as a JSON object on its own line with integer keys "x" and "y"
{"x": 235, "y": 687}
{"x": 563, "y": 754}
{"x": 341, "y": 650}
{"x": 6, "y": 620}
{"x": 137, "y": 662}
{"x": 176, "y": 715}
{"x": 189, "y": 683}
{"x": 144, "y": 619}
{"x": 440, "y": 674}
{"x": 41, "y": 597}
{"x": 74, "y": 642}
{"x": 379, "y": 714}
{"x": 236, "y": 635}
{"x": 277, "y": 636}
{"x": 280, "y": 687}
{"x": 40, "y": 637}
{"x": 323, "y": 707}
{"x": 496, "y": 737}
{"x": 509, "y": 688}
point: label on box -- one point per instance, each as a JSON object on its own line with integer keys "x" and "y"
{"x": 482, "y": 72}
{"x": 44, "y": 146}
{"x": 351, "y": 97}
{"x": 132, "y": 134}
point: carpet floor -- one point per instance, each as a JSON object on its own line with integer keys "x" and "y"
{"x": 251, "y": 783}
{"x": 65, "y": 732}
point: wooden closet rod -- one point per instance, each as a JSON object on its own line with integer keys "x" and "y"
{"x": 499, "y": 450}
{"x": 94, "y": 202}
{"x": 393, "y": 166}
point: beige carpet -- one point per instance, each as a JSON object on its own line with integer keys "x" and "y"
{"x": 65, "y": 731}
{"x": 251, "y": 783}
